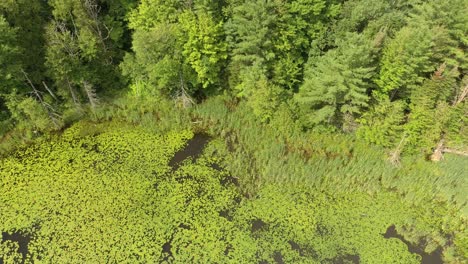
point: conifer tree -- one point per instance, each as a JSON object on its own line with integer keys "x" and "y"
{"x": 406, "y": 61}
{"x": 29, "y": 17}
{"x": 9, "y": 57}
{"x": 383, "y": 123}
{"x": 336, "y": 85}
{"x": 250, "y": 36}
{"x": 449, "y": 25}
{"x": 274, "y": 36}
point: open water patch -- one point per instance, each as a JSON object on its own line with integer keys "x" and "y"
{"x": 434, "y": 258}
{"x": 193, "y": 149}
{"x": 21, "y": 238}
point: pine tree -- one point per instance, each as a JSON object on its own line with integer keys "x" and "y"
{"x": 274, "y": 36}
{"x": 406, "y": 61}
{"x": 383, "y": 123}
{"x": 449, "y": 25}
{"x": 299, "y": 24}
{"x": 10, "y": 65}
{"x": 29, "y": 17}
{"x": 250, "y": 32}
{"x": 337, "y": 84}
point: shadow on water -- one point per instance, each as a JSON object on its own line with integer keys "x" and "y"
{"x": 21, "y": 238}
{"x": 347, "y": 259}
{"x": 193, "y": 149}
{"x": 258, "y": 225}
{"x": 433, "y": 258}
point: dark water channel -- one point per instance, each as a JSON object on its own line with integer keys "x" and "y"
{"x": 433, "y": 258}
{"x": 193, "y": 149}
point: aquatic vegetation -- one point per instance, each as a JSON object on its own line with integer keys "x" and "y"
{"x": 114, "y": 192}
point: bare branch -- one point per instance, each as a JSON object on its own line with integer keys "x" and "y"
{"x": 35, "y": 91}
{"x": 91, "y": 93}
{"x": 182, "y": 97}
{"x": 50, "y": 110}
{"x": 454, "y": 151}
{"x": 50, "y": 92}
{"x": 461, "y": 96}
{"x": 396, "y": 154}
{"x": 73, "y": 94}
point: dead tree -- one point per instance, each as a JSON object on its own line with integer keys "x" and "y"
{"x": 54, "y": 117}
{"x": 91, "y": 94}
{"x": 182, "y": 97}
{"x": 396, "y": 153}
{"x": 437, "y": 155}
{"x": 93, "y": 10}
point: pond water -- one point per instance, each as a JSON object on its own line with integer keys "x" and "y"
{"x": 20, "y": 238}
{"x": 433, "y": 258}
{"x": 193, "y": 149}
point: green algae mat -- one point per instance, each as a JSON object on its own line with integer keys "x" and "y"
{"x": 114, "y": 193}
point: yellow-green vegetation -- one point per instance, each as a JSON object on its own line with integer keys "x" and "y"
{"x": 105, "y": 193}
{"x": 85, "y": 197}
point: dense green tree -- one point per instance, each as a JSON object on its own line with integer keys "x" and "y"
{"x": 204, "y": 49}
{"x": 250, "y": 33}
{"x": 449, "y": 25}
{"x": 178, "y": 47}
{"x": 371, "y": 16}
{"x": 406, "y": 61}
{"x": 83, "y": 48}
{"x": 336, "y": 85}
{"x": 157, "y": 62}
{"x": 430, "y": 111}
{"x": 29, "y": 17}
{"x": 10, "y": 65}
{"x": 383, "y": 123}
{"x": 10, "y": 69}
{"x": 274, "y": 36}
{"x": 22, "y": 54}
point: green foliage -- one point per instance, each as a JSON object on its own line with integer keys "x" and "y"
{"x": 205, "y": 49}
{"x": 449, "y": 25}
{"x": 29, "y": 17}
{"x": 178, "y": 48}
{"x": 336, "y": 84}
{"x": 373, "y": 16}
{"x": 273, "y": 36}
{"x": 383, "y": 124}
{"x": 275, "y": 83}
{"x": 9, "y": 58}
{"x": 30, "y": 115}
{"x": 265, "y": 99}
{"x": 82, "y": 48}
{"x": 156, "y": 65}
{"x": 405, "y": 62}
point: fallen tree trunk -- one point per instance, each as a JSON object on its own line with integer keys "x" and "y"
{"x": 454, "y": 151}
